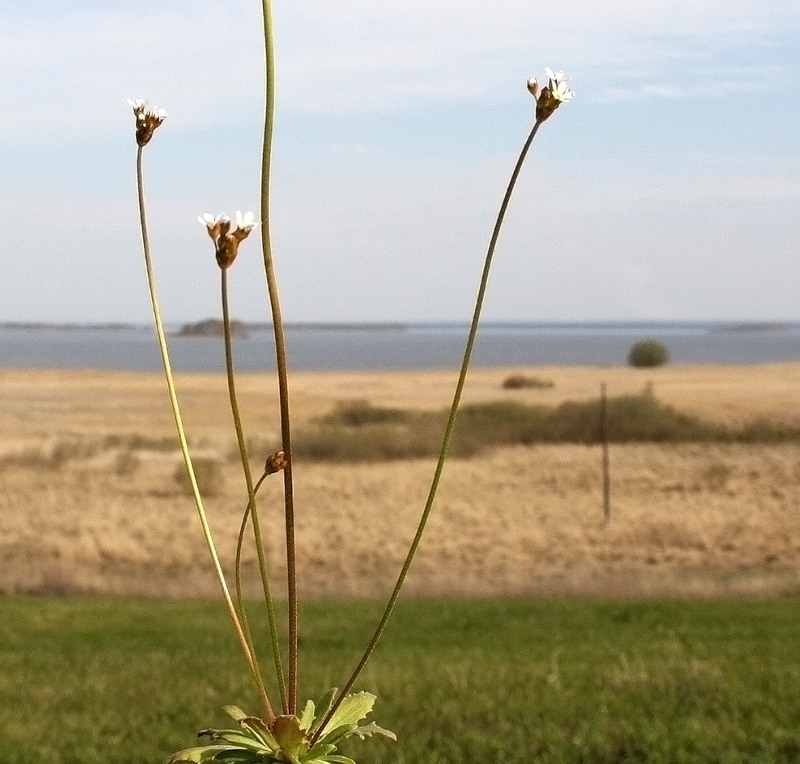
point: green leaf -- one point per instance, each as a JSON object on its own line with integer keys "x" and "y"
{"x": 256, "y": 727}
{"x": 253, "y": 726}
{"x": 368, "y": 730}
{"x": 307, "y": 717}
{"x": 237, "y": 737}
{"x": 352, "y": 710}
{"x": 235, "y": 713}
{"x": 214, "y": 734}
{"x": 324, "y": 705}
{"x": 340, "y": 733}
{"x": 336, "y": 759}
{"x": 198, "y": 755}
{"x": 319, "y": 750}
{"x": 245, "y": 757}
{"x": 290, "y": 736}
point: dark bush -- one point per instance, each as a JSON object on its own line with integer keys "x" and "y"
{"x": 361, "y": 413}
{"x": 648, "y": 353}
{"x": 502, "y": 422}
{"x": 420, "y": 438}
{"x": 632, "y": 418}
{"x": 525, "y": 381}
{"x": 364, "y": 433}
{"x": 637, "y": 418}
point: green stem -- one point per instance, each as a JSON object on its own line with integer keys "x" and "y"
{"x": 280, "y": 356}
{"x": 238, "y": 578}
{"x": 251, "y": 495}
{"x": 240, "y": 543}
{"x": 173, "y": 398}
{"x": 448, "y": 432}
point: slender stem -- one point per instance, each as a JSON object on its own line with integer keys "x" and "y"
{"x": 238, "y": 577}
{"x": 173, "y": 398}
{"x": 448, "y": 432}
{"x": 251, "y": 495}
{"x": 280, "y": 355}
{"x": 240, "y": 544}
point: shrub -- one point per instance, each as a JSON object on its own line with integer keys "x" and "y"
{"x": 359, "y": 433}
{"x": 502, "y": 422}
{"x": 523, "y": 381}
{"x": 375, "y": 443}
{"x": 648, "y": 353}
{"x": 761, "y": 430}
{"x": 361, "y": 413}
{"x": 367, "y": 434}
{"x": 633, "y": 418}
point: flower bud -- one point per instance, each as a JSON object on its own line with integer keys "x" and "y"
{"x": 275, "y": 463}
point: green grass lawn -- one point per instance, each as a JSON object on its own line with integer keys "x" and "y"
{"x": 474, "y": 682}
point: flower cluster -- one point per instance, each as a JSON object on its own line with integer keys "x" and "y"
{"x": 226, "y": 239}
{"x": 553, "y": 94}
{"x": 147, "y": 119}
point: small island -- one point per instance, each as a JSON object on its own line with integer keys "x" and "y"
{"x": 211, "y": 327}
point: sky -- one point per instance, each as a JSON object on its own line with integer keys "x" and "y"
{"x": 668, "y": 189}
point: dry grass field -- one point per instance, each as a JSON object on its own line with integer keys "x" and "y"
{"x": 92, "y": 499}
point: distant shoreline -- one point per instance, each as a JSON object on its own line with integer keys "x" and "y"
{"x": 256, "y": 326}
{"x": 195, "y": 347}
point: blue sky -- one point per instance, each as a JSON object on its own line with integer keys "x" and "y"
{"x": 668, "y": 189}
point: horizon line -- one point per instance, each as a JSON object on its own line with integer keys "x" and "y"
{"x": 755, "y": 323}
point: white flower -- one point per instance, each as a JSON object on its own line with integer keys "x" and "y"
{"x": 553, "y": 94}
{"x": 139, "y": 106}
{"x": 217, "y": 227}
{"x": 226, "y": 238}
{"x": 552, "y": 76}
{"x": 209, "y": 221}
{"x": 246, "y": 222}
{"x": 147, "y": 119}
{"x": 557, "y": 84}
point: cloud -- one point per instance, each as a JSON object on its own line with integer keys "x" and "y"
{"x": 69, "y": 76}
{"x": 389, "y": 198}
{"x": 404, "y": 53}
{"x": 68, "y": 68}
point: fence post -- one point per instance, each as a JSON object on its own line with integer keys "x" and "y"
{"x": 604, "y": 445}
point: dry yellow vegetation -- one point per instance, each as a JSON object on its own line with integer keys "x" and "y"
{"x": 90, "y": 502}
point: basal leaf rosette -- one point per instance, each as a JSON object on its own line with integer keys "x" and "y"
{"x": 290, "y": 739}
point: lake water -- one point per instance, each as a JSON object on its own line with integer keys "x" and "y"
{"x": 416, "y": 346}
